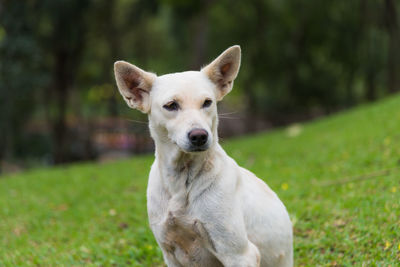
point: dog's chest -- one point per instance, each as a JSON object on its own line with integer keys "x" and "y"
{"x": 187, "y": 240}
{"x": 182, "y": 235}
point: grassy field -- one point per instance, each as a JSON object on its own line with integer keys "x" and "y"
{"x": 338, "y": 177}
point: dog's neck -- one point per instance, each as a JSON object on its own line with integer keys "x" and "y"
{"x": 179, "y": 169}
{"x": 176, "y": 161}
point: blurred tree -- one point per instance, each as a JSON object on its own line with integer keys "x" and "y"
{"x": 369, "y": 47}
{"x": 392, "y": 25}
{"x": 61, "y": 34}
{"x": 20, "y": 73}
{"x": 190, "y": 26}
{"x": 111, "y": 25}
{"x": 300, "y": 58}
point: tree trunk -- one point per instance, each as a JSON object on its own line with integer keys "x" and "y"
{"x": 200, "y": 29}
{"x": 392, "y": 26}
{"x": 113, "y": 39}
{"x": 67, "y": 44}
{"x": 349, "y": 87}
{"x": 371, "y": 86}
{"x": 60, "y": 87}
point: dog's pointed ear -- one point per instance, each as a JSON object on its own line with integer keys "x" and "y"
{"x": 223, "y": 70}
{"x": 134, "y": 84}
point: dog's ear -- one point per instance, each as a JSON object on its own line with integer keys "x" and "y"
{"x": 223, "y": 70}
{"x": 134, "y": 84}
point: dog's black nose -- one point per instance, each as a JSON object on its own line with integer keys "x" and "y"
{"x": 198, "y": 137}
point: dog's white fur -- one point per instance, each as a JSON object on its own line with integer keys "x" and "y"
{"x": 204, "y": 209}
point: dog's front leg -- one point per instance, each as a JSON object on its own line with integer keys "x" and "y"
{"x": 232, "y": 255}
{"x": 169, "y": 258}
{"x": 230, "y": 246}
{"x": 250, "y": 257}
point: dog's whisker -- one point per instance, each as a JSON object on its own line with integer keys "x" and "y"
{"x": 229, "y": 118}
{"x": 228, "y": 113}
{"x": 142, "y": 122}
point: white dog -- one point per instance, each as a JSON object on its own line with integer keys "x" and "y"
{"x": 204, "y": 210}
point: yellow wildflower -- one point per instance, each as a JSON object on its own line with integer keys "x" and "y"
{"x": 387, "y": 245}
{"x": 284, "y": 186}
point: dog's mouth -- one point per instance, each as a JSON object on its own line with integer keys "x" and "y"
{"x": 198, "y": 149}
{"x": 194, "y": 149}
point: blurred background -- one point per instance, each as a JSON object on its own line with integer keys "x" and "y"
{"x": 301, "y": 60}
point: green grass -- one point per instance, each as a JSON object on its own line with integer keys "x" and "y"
{"x": 338, "y": 177}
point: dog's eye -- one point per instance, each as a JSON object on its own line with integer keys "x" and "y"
{"x": 207, "y": 103}
{"x": 171, "y": 106}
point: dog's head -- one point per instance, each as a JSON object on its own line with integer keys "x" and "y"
{"x": 181, "y": 106}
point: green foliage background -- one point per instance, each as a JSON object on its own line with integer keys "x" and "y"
{"x": 300, "y": 58}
